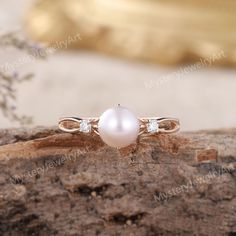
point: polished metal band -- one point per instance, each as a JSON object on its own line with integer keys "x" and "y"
{"x": 148, "y": 125}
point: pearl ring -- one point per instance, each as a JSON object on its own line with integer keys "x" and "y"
{"x": 119, "y": 127}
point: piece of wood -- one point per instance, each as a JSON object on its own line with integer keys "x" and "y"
{"x": 53, "y": 183}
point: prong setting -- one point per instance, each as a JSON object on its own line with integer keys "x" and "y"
{"x": 119, "y": 127}
{"x": 152, "y": 126}
{"x": 85, "y": 126}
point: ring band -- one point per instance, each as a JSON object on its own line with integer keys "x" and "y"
{"x": 147, "y": 125}
{"x": 112, "y": 119}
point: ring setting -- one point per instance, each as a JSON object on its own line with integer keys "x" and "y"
{"x": 118, "y": 126}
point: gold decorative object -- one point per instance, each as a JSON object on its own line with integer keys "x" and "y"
{"x": 160, "y": 31}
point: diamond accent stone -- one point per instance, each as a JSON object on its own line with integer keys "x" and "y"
{"x": 152, "y": 126}
{"x": 85, "y": 126}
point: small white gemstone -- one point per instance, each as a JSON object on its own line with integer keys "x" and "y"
{"x": 85, "y": 126}
{"x": 152, "y": 126}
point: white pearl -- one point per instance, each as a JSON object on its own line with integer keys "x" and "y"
{"x": 118, "y": 127}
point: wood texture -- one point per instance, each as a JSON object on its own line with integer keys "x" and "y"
{"x": 54, "y": 183}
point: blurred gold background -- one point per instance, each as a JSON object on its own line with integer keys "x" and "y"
{"x": 136, "y": 38}
{"x": 166, "y": 32}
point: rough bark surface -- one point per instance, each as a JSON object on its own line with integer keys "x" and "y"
{"x": 52, "y": 183}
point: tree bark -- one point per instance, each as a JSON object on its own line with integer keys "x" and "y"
{"x": 54, "y": 183}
